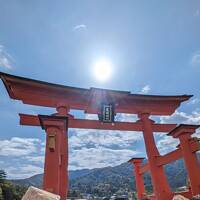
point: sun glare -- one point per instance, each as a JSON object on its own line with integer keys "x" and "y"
{"x": 102, "y": 70}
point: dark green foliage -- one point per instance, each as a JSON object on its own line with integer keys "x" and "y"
{"x": 176, "y": 174}
{"x": 74, "y": 193}
{"x": 11, "y": 191}
{"x": 2, "y": 176}
{"x": 8, "y": 190}
{"x": 1, "y": 194}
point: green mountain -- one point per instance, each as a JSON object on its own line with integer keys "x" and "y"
{"x": 110, "y": 180}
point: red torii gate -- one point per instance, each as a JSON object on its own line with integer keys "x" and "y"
{"x": 186, "y": 149}
{"x": 64, "y": 98}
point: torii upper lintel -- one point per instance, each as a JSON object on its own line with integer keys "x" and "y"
{"x": 41, "y": 93}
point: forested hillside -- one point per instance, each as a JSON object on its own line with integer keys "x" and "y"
{"x": 110, "y": 180}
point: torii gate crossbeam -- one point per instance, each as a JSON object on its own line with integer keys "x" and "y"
{"x": 33, "y": 120}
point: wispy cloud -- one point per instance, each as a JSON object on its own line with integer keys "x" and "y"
{"x": 18, "y": 146}
{"x": 36, "y": 158}
{"x": 182, "y": 117}
{"x": 146, "y": 89}
{"x": 80, "y": 27}
{"x": 195, "y": 60}
{"x": 89, "y": 148}
{"x": 6, "y": 60}
{"x": 101, "y": 148}
{"x": 122, "y": 117}
{"x": 167, "y": 144}
{"x": 23, "y": 171}
{"x": 22, "y": 157}
{"x": 197, "y": 13}
{"x": 109, "y": 139}
{"x": 194, "y": 101}
{"x": 99, "y": 157}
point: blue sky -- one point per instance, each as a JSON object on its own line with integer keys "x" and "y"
{"x": 154, "y": 48}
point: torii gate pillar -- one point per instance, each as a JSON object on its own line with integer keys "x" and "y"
{"x": 56, "y": 155}
{"x": 159, "y": 180}
{"x": 138, "y": 177}
{"x": 183, "y": 132}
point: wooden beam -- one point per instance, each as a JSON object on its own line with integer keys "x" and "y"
{"x": 33, "y": 120}
{"x": 35, "y": 92}
{"x": 169, "y": 157}
{"x": 172, "y": 156}
{"x": 195, "y": 144}
{"x": 177, "y": 154}
{"x": 144, "y": 168}
{"x": 163, "y": 160}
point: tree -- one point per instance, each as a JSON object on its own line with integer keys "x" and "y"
{"x": 1, "y": 194}
{"x": 2, "y": 181}
{"x": 8, "y": 190}
{"x": 74, "y": 193}
{"x": 2, "y": 176}
{"x": 19, "y": 192}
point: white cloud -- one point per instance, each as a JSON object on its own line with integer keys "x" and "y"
{"x": 91, "y": 116}
{"x": 122, "y": 117}
{"x": 18, "y": 146}
{"x": 167, "y": 144}
{"x": 87, "y": 149}
{"x": 195, "y": 61}
{"x": 23, "y": 171}
{"x": 5, "y": 59}
{"x": 100, "y": 148}
{"x": 36, "y": 159}
{"x": 22, "y": 157}
{"x": 182, "y": 117}
{"x": 96, "y": 138}
{"x": 194, "y": 101}
{"x": 80, "y": 27}
{"x": 90, "y": 148}
{"x": 146, "y": 89}
{"x": 99, "y": 157}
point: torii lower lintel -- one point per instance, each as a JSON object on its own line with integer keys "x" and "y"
{"x": 33, "y": 120}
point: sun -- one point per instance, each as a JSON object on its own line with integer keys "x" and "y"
{"x": 102, "y": 70}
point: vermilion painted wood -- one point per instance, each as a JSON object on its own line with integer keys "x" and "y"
{"x": 183, "y": 133}
{"x": 144, "y": 168}
{"x": 159, "y": 180}
{"x": 194, "y": 144}
{"x": 55, "y": 178}
{"x": 138, "y": 177}
{"x": 41, "y": 93}
{"x": 163, "y": 160}
{"x": 172, "y": 156}
{"x": 169, "y": 157}
{"x": 32, "y": 120}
